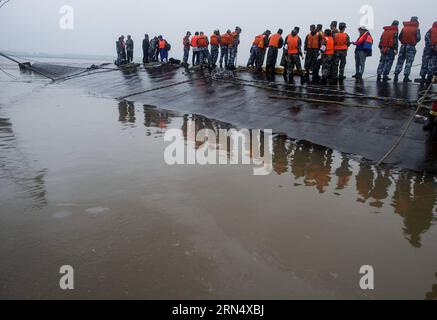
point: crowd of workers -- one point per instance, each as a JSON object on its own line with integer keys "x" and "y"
{"x": 153, "y": 49}
{"x": 322, "y": 50}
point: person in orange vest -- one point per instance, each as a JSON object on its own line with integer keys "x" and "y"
{"x": 215, "y": 45}
{"x": 275, "y": 43}
{"x": 253, "y": 52}
{"x": 225, "y": 43}
{"x": 409, "y": 38}
{"x": 187, "y": 46}
{"x": 293, "y": 44}
{"x": 364, "y": 46}
{"x": 388, "y": 45}
{"x": 164, "y": 47}
{"x": 342, "y": 43}
{"x": 313, "y": 42}
{"x": 233, "y": 48}
{"x": 322, "y": 36}
{"x": 202, "y": 45}
{"x": 328, "y": 57}
{"x": 263, "y": 43}
{"x": 195, "y": 49}
{"x": 429, "y": 59}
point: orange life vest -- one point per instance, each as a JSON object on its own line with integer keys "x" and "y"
{"x": 162, "y": 44}
{"x": 226, "y": 40}
{"x": 340, "y": 41}
{"x": 409, "y": 33}
{"x": 388, "y": 37}
{"x": 202, "y": 41}
{"x": 330, "y": 47}
{"x": 234, "y": 36}
{"x": 293, "y": 44}
{"x": 255, "y": 41}
{"x": 261, "y": 41}
{"x": 434, "y": 34}
{"x": 194, "y": 41}
{"x": 313, "y": 41}
{"x": 274, "y": 40}
{"x": 215, "y": 40}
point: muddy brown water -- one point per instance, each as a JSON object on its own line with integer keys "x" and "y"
{"x": 83, "y": 183}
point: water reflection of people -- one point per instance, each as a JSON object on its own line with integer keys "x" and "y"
{"x": 364, "y": 181}
{"x": 414, "y": 200}
{"x": 126, "y": 110}
{"x": 280, "y": 154}
{"x": 344, "y": 173}
{"x": 381, "y": 186}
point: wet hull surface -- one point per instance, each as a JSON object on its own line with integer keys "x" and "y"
{"x": 83, "y": 182}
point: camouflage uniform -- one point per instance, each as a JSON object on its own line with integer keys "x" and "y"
{"x": 214, "y": 55}
{"x": 429, "y": 59}
{"x": 407, "y": 53}
{"x": 252, "y": 57}
{"x": 233, "y": 51}
{"x": 386, "y": 62}
{"x": 339, "y": 63}
{"x": 328, "y": 62}
{"x": 426, "y": 58}
{"x": 311, "y": 61}
{"x": 224, "y": 55}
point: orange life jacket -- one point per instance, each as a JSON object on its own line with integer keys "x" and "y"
{"x": 261, "y": 41}
{"x": 330, "y": 47}
{"x": 313, "y": 41}
{"x": 255, "y": 41}
{"x": 340, "y": 41}
{"x": 194, "y": 41}
{"x": 409, "y": 33}
{"x": 226, "y": 40}
{"x": 162, "y": 44}
{"x": 274, "y": 40}
{"x": 293, "y": 44}
{"x": 202, "y": 41}
{"x": 215, "y": 40}
{"x": 388, "y": 37}
{"x": 434, "y": 34}
{"x": 234, "y": 36}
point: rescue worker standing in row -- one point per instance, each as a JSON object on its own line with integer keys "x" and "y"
{"x": 163, "y": 49}
{"x": 225, "y": 43}
{"x": 186, "y": 42}
{"x": 121, "y": 51}
{"x": 319, "y": 30}
{"x": 195, "y": 49}
{"x": 202, "y": 46}
{"x": 215, "y": 45}
{"x": 253, "y": 52}
{"x": 275, "y": 43}
{"x": 129, "y": 49}
{"x": 146, "y": 47}
{"x": 154, "y": 50}
{"x": 233, "y": 48}
{"x": 328, "y": 57}
{"x": 342, "y": 43}
{"x": 363, "y": 50}
{"x": 313, "y": 42}
{"x": 263, "y": 42}
{"x": 388, "y": 45}
{"x": 293, "y": 45}
{"x": 429, "y": 64}
{"x": 409, "y": 37}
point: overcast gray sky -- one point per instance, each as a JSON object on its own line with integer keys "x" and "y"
{"x": 33, "y": 25}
